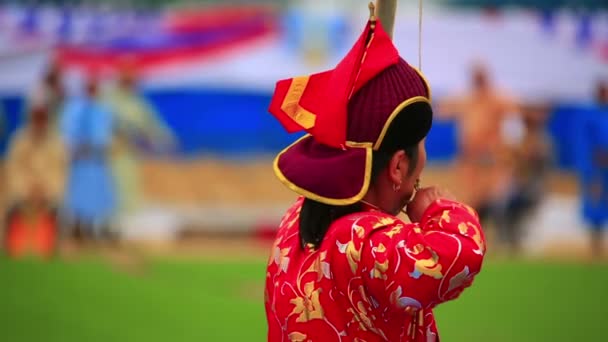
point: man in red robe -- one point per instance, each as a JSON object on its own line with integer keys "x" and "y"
{"x": 343, "y": 266}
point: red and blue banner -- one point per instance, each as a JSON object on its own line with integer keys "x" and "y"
{"x": 176, "y": 37}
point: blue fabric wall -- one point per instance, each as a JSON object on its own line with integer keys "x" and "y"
{"x": 10, "y": 109}
{"x": 236, "y": 124}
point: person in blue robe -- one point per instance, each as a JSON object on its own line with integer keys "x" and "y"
{"x": 87, "y": 129}
{"x": 592, "y": 164}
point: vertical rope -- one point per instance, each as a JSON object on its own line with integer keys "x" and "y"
{"x": 420, "y": 35}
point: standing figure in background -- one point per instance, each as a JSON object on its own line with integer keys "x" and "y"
{"x": 86, "y": 125}
{"x": 36, "y": 177}
{"x": 480, "y": 115}
{"x": 53, "y": 91}
{"x": 530, "y": 158}
{"x": 592, "y": 148}
{"x": 137, "y": 126}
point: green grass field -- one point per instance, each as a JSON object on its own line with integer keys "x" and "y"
{"x": 90, "y": 300}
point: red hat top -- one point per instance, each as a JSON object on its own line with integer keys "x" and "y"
{"x": 347, "y": 112}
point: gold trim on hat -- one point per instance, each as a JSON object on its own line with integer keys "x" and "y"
{"x": 426, "y": 82}
{"x": 327, "y": 200}
{"x": 394, "y": 114}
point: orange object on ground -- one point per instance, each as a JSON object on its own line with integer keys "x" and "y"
{"x": 31, "y": 234}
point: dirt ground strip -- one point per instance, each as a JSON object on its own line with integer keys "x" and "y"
{"x": 216, "y": 182}
{"x": 238, "y": 182}
{"x": 205, "y": 181}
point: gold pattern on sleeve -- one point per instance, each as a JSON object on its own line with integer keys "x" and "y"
{"x": 417, "y": 249}
{"x": 429, "y": 266}
{"x": 297, "y": 337}
{"x": 380, "y": 249}
{"x": 360, "y": 231}
{"x": 445, "y": 217}
{"x": 471, "y": 210}
{"x": 354, "y": 256}
{"x": 395, "y": 230}
{"x": 466, "y": 228}
{"x": 383, "y": 222}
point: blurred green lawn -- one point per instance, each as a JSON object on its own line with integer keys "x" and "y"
{"x": 170, "y": 300}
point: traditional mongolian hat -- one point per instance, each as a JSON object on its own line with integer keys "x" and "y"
{"x": 347, "y": 112}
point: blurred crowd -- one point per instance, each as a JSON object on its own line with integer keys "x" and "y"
{"x": 71, "y": 169}
{"x": 506, "y": 154}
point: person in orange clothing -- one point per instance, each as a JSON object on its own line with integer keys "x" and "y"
{"x": 343, "y": 266}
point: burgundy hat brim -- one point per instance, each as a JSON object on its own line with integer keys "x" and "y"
{"x": 326, "y": 174}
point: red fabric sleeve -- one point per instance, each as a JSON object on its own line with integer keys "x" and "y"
{"x": 418, "y": 266}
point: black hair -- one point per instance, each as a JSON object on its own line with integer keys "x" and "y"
{"x": 316, "y": 217}
{"x": 404, "y": 133}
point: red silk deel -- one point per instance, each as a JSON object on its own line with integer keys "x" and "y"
{"x": 373, "y": 278}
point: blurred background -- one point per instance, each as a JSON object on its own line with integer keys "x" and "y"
{"x": 136, "y": 185}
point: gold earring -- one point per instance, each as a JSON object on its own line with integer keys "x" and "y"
{"x": 417, "y": 185}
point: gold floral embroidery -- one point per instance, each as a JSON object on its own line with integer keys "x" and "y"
{"x": 464, "y": 230}
{"x": 383, "y": 222}
{"x": 379, "y": 270}
{"x": 417, "y": 249}
{"x": 363, "y": 294}
{"x": 321, "y": 267}
{"x": 297, "y": 337}
{"x": 360, "y": 231}
{"x": 395, "y": 230}
{"x": 275, "y": 251}
{"x": 360, "y": 316}
{"x": 429, "y": 267}
{"x": 353, "y": 255}
{"x": 308, "y": 307}
{"x": 470, "y": 210}
{"x": 280, "y": 258}
{"x": 292, "y": 221}
{"x": 445, "y": 217}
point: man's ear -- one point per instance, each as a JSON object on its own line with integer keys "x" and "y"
{"x": 397, "y": 167}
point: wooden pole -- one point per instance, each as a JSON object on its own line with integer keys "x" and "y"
{"x": 386, "y": 11}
